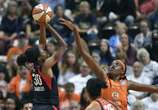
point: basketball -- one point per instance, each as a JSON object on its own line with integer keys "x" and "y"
{"x": 42, "y": 13}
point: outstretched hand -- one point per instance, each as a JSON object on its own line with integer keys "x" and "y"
{"x": 68, "y": 24}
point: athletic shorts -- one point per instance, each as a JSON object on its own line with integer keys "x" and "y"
{"x": 44, "y": 107}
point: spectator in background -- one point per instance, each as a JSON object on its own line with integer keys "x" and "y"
{"x": 125, "y": 10}
{"x": 81, "y": 79}
{"x": 96, "y": 56}
{"x": 11, "y": 25}
{"x": 18, "y": 47}
{"x": 68, "y": 95}
{"x": 151, "y": 102}
{"x": 11, "y": 102}
{"x": 105, "y": 54}
{"x": 2, "y": 9}
{"x": 150, "y": 69}
{"x": 3, "y": 84}
{"x": 114, "y": 40}
{"x": 27, "y": 106}
{"x": 68, "y": 68}
{"x": 153, "y": 17}
{"x": 53, "y": 3}
{"x": 21, "y": 83}
{"x": 63, "y": 31}
{"x": 143, "y": 39}
{"x": 87, "y": 22}
{"x": 153, "y": 47}
{"x": 130, "y": 50}
{"x": 138, "y": 105}
{"x": 145, "y": 7}
{"x": 138, "y": 76}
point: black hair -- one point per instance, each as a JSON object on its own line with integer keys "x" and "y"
{"x": 32, "y": 54}
{"x": 57, "y": 6}
{"x": 83, "y": 101}
{"x": 94, "y": 87}
{"x": 21, "y": 60}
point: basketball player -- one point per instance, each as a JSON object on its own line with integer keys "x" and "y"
{"x": 45, "y": 92}
{"x": 93, "y": 90}
{"x": 118, "y": 85}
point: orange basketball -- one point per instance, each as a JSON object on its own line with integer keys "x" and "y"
{"x": 42, "y": 13}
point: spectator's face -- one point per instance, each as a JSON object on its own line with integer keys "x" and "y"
{"x": 50, "y": 48}
{"x": 2, "y": 104}
{"x": 103, "y": 46}
{"x": 60, "y": 11}
{"x": 23, "y": 71}
{"x": 154, "y": 97}
{"x": 144, "y": 27}
{"x": 137, "y": 69}
{"x": 12, "y": 7}
{"x": 138, "y": 107}
{"x": 144, "y": 58}
{"x": 28, "y": 106}
{"x": 84, "y": 69}
{"x": 2, "y": 76}
{"x": 71, "y": 58}
{"x": 120, "y": 30}
{"x": 10, "y": 104}
{"x": 96, "y": 57}
{"x": 84, "y": 8}
{"x": 124, "y": 39}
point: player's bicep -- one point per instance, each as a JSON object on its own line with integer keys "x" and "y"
{"x": 49, "y": 62}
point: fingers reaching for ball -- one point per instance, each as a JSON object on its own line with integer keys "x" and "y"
{"x": 68, "y": 24}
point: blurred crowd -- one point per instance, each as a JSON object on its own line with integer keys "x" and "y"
{"x": 111, "y": 29}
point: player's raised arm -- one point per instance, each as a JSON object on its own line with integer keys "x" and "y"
{"x": 60, "y": 51}
{"x": 42, "y": 40}
{"x": 86, "y": 56}
{"x": 142, "y": 87}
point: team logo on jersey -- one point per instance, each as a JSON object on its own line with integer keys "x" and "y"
{"x": 115, "y": 95}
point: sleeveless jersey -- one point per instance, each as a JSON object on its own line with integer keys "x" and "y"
{"x": 44, "y": 89}
{"x": 116, "y": 92}
{"x": 106, "y": 105}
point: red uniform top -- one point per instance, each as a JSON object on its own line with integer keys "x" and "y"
{"x": 107, "y": 105}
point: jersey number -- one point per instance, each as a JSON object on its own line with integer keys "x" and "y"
{"x": 37, "y": 80}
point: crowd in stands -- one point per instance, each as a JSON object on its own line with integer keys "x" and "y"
{"x": 111, "y": 29}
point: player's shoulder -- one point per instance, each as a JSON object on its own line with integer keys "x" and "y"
{"x": 94, "y": 106}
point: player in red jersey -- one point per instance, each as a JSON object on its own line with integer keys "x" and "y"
{"x": 40, "y": 63}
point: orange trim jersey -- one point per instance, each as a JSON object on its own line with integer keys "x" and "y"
{"x": 116, "y": 92}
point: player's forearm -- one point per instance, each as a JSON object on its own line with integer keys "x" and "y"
{"x": 58, "y": 37}
{"x": 142, "y": 87}
{"x": 42, "y": 40}
{"x": 78, "y": 41}
{"x": 88, "y": 59}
